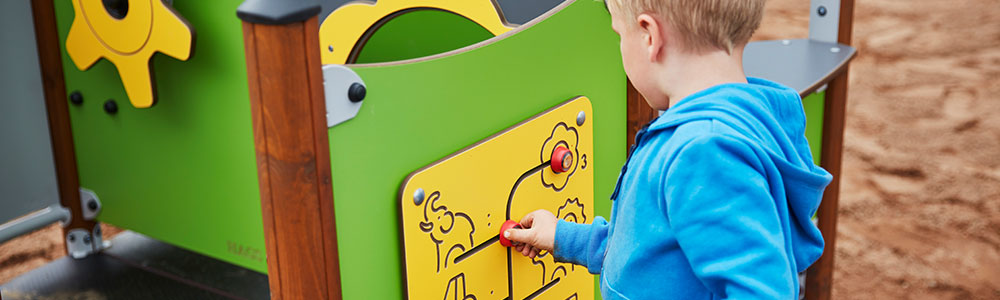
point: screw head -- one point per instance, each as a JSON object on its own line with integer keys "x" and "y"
{"x": 72, "y": 238}
{"x": 418, "y": 196}
{"x": 580, "y": 118}
{"x": 86, "y": 239}
{"x": 92, "y": 204}
{"x": 356, "y": 92}
{"x": 330, "y": 47}
{"x": 76, "y": 98}
{"x": 110, "y": 106}
{"x": 821, "y": 11}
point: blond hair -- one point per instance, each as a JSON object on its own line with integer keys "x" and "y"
{"x": 703, "y": 24}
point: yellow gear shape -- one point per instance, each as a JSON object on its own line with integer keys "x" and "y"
{"x": 345, "y": 27}
{"x": 128, "y": 41}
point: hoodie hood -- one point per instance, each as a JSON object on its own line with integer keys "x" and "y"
{"x": 769, "y": 115}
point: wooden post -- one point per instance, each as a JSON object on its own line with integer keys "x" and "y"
{"x": 54, "y": 86}
{"x": 819, "y": 278}
{"x": 293, "y": 156}
{"x": 638, "y": 113}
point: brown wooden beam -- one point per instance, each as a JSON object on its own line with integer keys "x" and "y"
{"x": 54, "y": 86}
{"x": 638, "y": 113}
{"x": 819, "y": 277}
{"x": 293, "y": 157}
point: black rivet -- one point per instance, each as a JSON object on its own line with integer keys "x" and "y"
{"x": 72, "y": 238}
{"x": 92, "y": 205}
{"x": 356, "y": 92}
{"x": 821, "y": 11}
{"x": 76, "y": 98}
{"x": 86, "y": 239}
{"x": 116, "y": 8}
{"x": 111, "y": 106}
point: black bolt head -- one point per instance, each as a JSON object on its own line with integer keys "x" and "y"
{"x": 86, "y": 239}
{"x": 92, "y": 205}
{"x": 821, "y": 11}
{"x": 72, "y": 238}
{"x": 76, "y": 98}
{"x": 356, "y": 92}
{"x": 110, "y": 106}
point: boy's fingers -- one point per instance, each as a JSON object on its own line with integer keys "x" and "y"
{"x": 518, "y": 235}
{"x": 528, "y": 220}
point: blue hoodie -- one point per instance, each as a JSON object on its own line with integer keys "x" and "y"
{"x": 714, "y": 202}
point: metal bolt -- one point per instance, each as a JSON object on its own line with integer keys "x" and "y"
{"x": 330, "y": 47}
{"x": 356, "y": 92}
{"x": 97, "y": 230}
{"x": 418, "y": 197}
{"x": 821, "y": 11}
{"x": 110, "y": 106}
{"x": 580, "y": 118}
{"x": 86, "y": 239}
{"x": 72, "y": 238}
{"x": 92, "y": 204}
{"x": 76, "y": 98}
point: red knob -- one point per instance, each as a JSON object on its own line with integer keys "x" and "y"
{"x": 503, "y": 228}
{"x": 562, "y": 159}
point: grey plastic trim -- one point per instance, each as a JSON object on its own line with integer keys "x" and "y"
{"x": 33, "y": 221}
{"x": 804, "y": 65}
{"x": 337, "y": 80}
{"x": 277, "y": 12}
{"x": 825, "y": 27}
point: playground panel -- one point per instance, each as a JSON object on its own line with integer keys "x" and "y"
{"x": 452, "y": 211}
{"x": 182, "y": 171}
{"x": 419, "y": 111}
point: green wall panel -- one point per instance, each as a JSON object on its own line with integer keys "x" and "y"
{"x": 814, "y": 105}
{"x": 418, "y": 112}
{"x": 182, "y": 171}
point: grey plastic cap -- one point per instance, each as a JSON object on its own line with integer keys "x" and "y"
{"x": 276, "y": 12}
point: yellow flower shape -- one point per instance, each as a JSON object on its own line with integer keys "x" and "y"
{"x": 127, "y": 35}
{"x": 565, "y": 136}
{"x": 350, "y": 24}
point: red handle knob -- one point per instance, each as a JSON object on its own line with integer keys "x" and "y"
{"x": 562, "y": 159}
{"x": 503, "y": 228}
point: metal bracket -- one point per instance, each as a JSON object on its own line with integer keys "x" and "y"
{"x": 824, "y": 20}
{"x": 344, "y": 91}
{"x": 80, "y": 243}
{"x": 90, "y": 204}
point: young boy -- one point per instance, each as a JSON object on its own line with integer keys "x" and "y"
{"x": 716, "y": 197}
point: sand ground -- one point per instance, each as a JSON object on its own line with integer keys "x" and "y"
{"x": 920, "y": 196}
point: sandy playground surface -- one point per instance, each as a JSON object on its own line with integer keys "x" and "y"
{"x": 920, "y": 196}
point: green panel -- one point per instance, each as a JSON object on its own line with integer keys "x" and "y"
{"x": 417, "y": 113}
{"x": 421, "y": 33}
{"x": 814, "y": 105}
{"x": 184, "y": 170}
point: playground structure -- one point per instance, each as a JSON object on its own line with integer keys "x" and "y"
{"x": 405, "y": 134}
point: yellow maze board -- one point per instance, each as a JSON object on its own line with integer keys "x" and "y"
{"x": 451, "y": 211}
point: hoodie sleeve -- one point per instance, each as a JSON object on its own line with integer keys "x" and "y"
{"x": 726, "y": 221}
{"x": 582, "y": 244}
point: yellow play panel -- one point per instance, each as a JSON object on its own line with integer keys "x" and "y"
{"x": 128, "y": 41}
{"x": 451, "y": 211}
{"x": 345, "y": 27}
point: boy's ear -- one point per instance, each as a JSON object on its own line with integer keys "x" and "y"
{"x": 652, "y": 35}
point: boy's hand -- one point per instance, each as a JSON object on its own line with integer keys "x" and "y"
{"x": 538, "y": 233}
